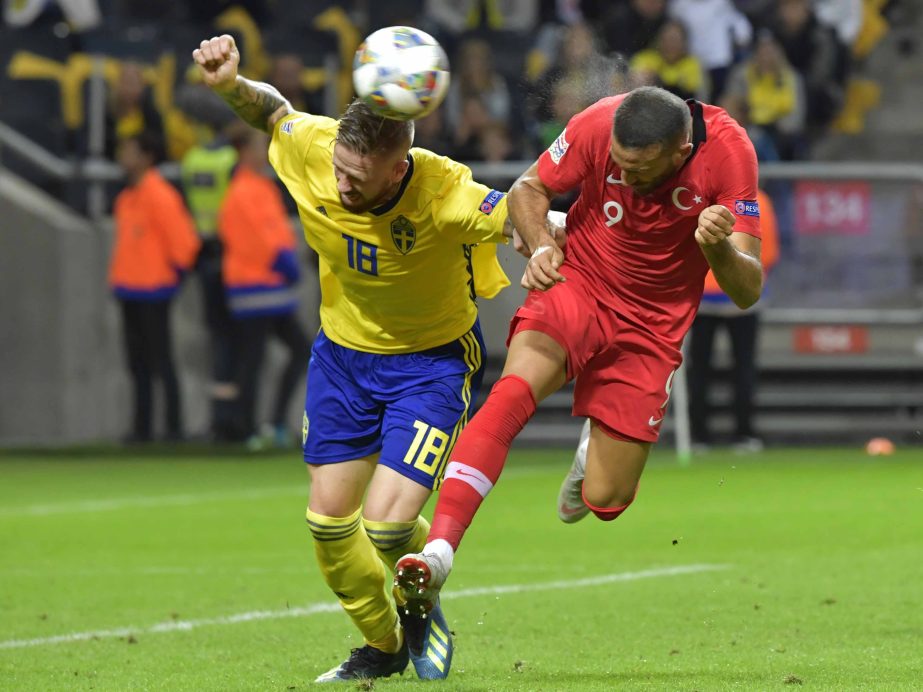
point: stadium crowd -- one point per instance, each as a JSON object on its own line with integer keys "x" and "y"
{"x": 520, "y": 70}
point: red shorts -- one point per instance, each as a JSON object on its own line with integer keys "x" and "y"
{"x": 623, "y": 373}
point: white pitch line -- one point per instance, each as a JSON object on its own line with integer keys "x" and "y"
{"x": 184, "y": 499}
{"x": 314, "y": 609}
{"x": 114, "y": 503}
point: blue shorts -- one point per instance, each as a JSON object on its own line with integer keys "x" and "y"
{"x": 410, "y": 407}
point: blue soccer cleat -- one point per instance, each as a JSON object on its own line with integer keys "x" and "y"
{"x": 429, "y": 642}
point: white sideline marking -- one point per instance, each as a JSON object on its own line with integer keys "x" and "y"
{"x": 114, "y": 503}
{"x": 149, "y": 501}
{"x": 314, "y": 609}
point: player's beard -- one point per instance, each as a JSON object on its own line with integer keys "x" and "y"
{"x": 654, "y": 185}
{"x": 648, "y": 188}
{"x": 357, "y": 205}
{"x": 360, "y": 205}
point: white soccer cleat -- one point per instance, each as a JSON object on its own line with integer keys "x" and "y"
{"x": 418, "y": 577}
{"x": 571, "y": 507}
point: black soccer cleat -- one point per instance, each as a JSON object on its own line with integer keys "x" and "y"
{"x": 366, "y": 663}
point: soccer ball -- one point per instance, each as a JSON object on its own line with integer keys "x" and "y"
{"x": 401, "y": 72}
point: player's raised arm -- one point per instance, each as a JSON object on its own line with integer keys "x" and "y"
{"x": 529, "y": 201}
{"x": 257, "y": 103}
{"x": 734, "y": 259}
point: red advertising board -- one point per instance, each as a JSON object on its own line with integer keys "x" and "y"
{"x": 833, "y": 207}
{"x": 831, "y": 339}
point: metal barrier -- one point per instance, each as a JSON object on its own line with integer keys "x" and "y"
{"x": 893, "y": 325}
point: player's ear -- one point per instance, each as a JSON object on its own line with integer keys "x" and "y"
{"x": 683, "y": 153}
{"x": 399, "y": 170}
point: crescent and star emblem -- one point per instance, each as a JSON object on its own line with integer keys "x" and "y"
{"x": 679, "y": 205}
{"x": 613, "y": 180}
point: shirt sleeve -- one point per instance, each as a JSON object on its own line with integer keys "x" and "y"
{"x": 477, "y": 214}
{"x": 291, "y": 142}
{"x": 472, "y": 212}
{"x": 569, "y": 159}
{"x": 737, "y": 184}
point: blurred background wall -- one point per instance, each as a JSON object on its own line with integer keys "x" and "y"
{"x": 841, "y": 351}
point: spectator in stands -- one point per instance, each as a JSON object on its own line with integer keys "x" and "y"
{"x": 569, "y": 12}
{"x": 206, "y": 174}
{"x": 80, "y": 15}
{"x": 474, "y": 117}
{"x": 453, "y": 17}
{"x": 567, "y": 99}
{"x": 812, "y": 50}
{"x": 392, "y": 13}
{"x": 155, "y": 243}
{"x": 843, "y": 16}
{"x": 718, "y": 312}
{"x": 286, "y": 75}
{"x": 474, "y": 76}
{"x": 495, "y": 143}
{"x": 670, "y": 65}
{"x": 765, "y": 95}
{"x": 576, "y": 59}
{"x": 630, "y": 27}
{"x": 260, "y": 269}
{"x": 717, "y": 31}
{"x": 430, "y": 133}
{"x": 130, "y": 109}
{"x": 757, "y": 12}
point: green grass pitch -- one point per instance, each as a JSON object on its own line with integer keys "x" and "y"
{"x": 792, "y": 569}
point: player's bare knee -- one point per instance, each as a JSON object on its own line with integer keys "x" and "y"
{"x": 608, "y": 497}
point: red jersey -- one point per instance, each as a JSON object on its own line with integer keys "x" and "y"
{"x": 638, "y": 252}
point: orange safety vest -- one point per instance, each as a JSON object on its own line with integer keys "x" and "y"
{"x": 255, "y": 231}
{"x": 155, "y": 240}
{"x": 769, "y": 248}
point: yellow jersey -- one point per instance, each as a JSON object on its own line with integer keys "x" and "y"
{"x": 402, "y": 277}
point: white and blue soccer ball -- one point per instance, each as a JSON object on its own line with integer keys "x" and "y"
{"x": 401, "y": 72}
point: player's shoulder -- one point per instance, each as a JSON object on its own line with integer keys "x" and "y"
{"x": 437, "y": 174}
{"x": 298, "y": 126}
{"x": 598, "y": 116}
{"x": 722, "y": 129}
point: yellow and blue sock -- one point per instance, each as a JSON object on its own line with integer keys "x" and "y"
{"x": 394, "y": 539}
{"x": 354, "y": 572}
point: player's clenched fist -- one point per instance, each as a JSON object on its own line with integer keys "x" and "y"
{"x": 218, "y": 58}
{"x": 716, "y": 223}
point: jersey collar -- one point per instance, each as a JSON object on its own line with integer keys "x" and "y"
{"x": 698, "y": 126}
{"x": 391, "y": 203}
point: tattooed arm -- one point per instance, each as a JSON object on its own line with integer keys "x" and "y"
{"x": 258, "y": 104}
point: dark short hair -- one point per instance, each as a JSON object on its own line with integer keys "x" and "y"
{"x": 366, "y": 132}
{"x": 240, "y": 135}
{"x": 648, "y": 116}
{"x": 150, "y": 143}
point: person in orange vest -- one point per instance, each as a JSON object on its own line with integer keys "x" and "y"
{"x": 155, "y": 243}
{"x": 259, "y": 271}
{"x": 716, "y": 311}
